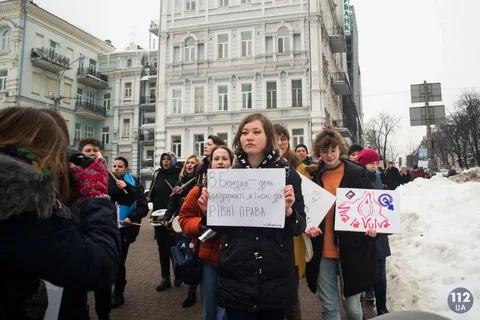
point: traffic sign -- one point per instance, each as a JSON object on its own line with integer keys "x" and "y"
{"x": 422, "y": 153}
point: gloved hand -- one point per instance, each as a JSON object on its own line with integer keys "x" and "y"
{"x": 91, "y": 182}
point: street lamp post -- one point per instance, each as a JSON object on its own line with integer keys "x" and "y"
{"x": 57, "y": 97}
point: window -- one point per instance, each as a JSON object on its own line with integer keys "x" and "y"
{"x": 246, "y": 1}
{"x": 6, "y": 40}
{"x": 106, "y": 101}
{"x": 271, "y": 95}
{"x": 51, "y": 85}
{"x": 222, "y": 46}
{"x": 78, "y": 132}
{"x": 155, "y": 62}
{"x": 129, "y": 63}
{"x": 223, "y": 3}
{"x": 223, "y": 136}
{"x": 91, "y": 97}
{"x": 38, "y": 40}
{"x": 3, "y": 79}
{"x": 190, "y": 5}
{"x": 79, "y": 95}
{"x": 223, "y": 98}
{"x": 246, "y": 43}
{"x": 88, "y": 131}
{"x": 153, "y": 92}
{"x": 126, "y": 128}
{"x": 67, "y": 92}
{"x": 201, "y": 52}
{"x": 297, "y": 135}
{"x": 199, "y": 141}
{"x": 128, "y": 90}
{"x": 177, "y": 101}
{"x": 189, "y": 50}
{"x": 246, "y": 96}
{"x": 297, "y": 42}
{"x": 297, "y": 93}
{"x": 199, "y": 100}
{"x": 176, "y": 54}
{"x": 53, "y": 47}
{"x": 177, "y": 146}
{"x": 70, "y": 54}
{"x": 105, "y": 135}
{"x": 36, "y": 83}
{"x": 92, "y": 64}
{"x": 268, "y": 44}
{"x": 283, "y": 43}
{"x": 150, "y": 154}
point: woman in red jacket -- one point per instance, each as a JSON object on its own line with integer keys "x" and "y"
{"x": 193, "y": 222}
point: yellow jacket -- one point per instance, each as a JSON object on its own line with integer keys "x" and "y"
{"x": 298, "y": 244}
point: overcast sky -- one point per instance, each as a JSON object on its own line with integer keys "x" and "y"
{"x": 401, "y": 43}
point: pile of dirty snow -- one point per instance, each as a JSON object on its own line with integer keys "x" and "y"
{"x": 439, "y": 249}
{"x": 467, "y": 175}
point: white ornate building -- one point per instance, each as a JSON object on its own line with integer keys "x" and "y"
{"x": 222, "y": 59}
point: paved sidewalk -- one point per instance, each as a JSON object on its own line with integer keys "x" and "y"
{"x": 143, "y": 302}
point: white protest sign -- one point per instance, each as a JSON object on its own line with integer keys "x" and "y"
{"x": 362, "y": 210}
{"x": 54, "y": 300}
{"x": 318, "y": 202}
{"x": 246, "y": 198}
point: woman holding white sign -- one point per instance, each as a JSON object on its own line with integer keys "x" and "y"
{"x": 256, "y": 266}
{"x": 193, "y": 223}
{"x": 351, "y": 255}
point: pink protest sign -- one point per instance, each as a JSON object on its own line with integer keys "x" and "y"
{"x": 361, "y": 210}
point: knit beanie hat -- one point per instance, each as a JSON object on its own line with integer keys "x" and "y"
{"x": 354, "y": 148}
{"x": 301, "y": 145}
{"x": 367, "y": 156}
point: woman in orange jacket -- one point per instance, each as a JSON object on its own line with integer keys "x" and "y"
{"x": 193, "y": 223}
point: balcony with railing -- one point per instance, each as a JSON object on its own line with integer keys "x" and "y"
{"x": 148, "y": 99}
{"x": 90, "y": 110}
{"x": 147, "y": 163}
{"x": 92, "y": 78}
{"x": 340, "y": 83}
{"x": 337, "y": 40}
{"x": 147, "y": 137}
{"x": 49, "y": 59}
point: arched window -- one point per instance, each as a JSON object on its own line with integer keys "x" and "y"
{"x": 189, "y": 50}
{"x": 283, "y": 40}
{"x": 129, "y": 63}
{"x": 6, "y": 39}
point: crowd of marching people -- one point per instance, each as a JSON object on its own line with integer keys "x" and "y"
{"x": 69, "y": 220}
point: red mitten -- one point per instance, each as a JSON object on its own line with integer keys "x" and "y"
{"x": 92, "y": 182}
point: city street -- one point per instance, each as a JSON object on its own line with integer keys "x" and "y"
{"x": 143, "y": 302}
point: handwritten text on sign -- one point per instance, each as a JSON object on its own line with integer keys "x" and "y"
{"x": 362, "y": 210}
{"x": 246, "y": 198}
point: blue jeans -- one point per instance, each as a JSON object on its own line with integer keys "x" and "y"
{"x": 209, "y": 294}
{"x": 381, "y": 285}
{"x": 256, "y": 315}
{"x": 327, "y": 285}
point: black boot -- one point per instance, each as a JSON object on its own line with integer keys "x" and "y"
{"x": 191, "y": 299}
{"x": 164, "y": 285}
{"x": 117, "y": 300}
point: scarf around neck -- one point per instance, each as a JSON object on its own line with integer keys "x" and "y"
{"x": 269, "y": 159}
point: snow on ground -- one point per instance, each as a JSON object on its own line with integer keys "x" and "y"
{"x": 439, "y": 249}
{"x": 467, "y": 175}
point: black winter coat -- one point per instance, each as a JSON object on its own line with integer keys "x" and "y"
{"x": 160, "y": 190}
{"x": 256, "y": 266}
{"x": 392, "y": 178}
{"x": 176, "y": 200}
{"x": 358, "y": 254}
{"x": 40, "y": 241}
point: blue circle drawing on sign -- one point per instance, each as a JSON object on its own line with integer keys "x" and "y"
{"x": 386, "y": 201}
{"x": 460, "y": 300}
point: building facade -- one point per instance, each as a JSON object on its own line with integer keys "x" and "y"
{"x": 132, "y": 76}
{"x": 223, "y": 59}
{"x": 46, "y": 61}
